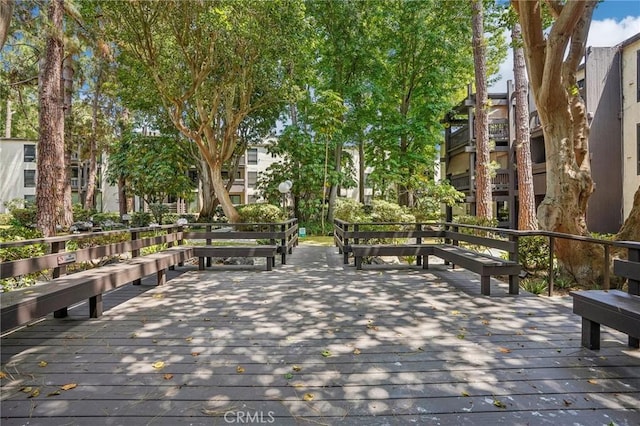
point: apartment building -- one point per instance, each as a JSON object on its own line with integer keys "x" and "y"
{"x": 609, "y": 81}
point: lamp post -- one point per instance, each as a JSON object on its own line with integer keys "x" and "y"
{"x": 285, "y": 188}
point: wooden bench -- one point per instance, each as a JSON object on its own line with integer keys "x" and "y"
{"x": 27, "y": 304}
{"x": 613, "y": 308}
{"x": 269, "y": 252}
{"x": 485, "y": 265}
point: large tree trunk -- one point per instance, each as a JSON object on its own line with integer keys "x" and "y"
{"x": 630, "y": 230}
{"x": 207, "y": 194}
{"x": 552, "y": 73}
{"x": 49, "y": 201}
{"x": 361, "y": 169}
{"x": 6, "y": 10}
{"x": 484, "y": 202}
{"x": 526, "y": 197}
{"x": 66, "y": 215}
{"x": 222, "y": 194}
{"x": 333, "y": 193}
{"x": 90, "y": 197}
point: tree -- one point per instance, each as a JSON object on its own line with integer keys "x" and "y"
{"x": 6, "y": 10}
{"x": 526, "y": 196}
{"x": 552, "y": 58}
{"x": 484, "y": 201}
{"x": 211, "y": 65}
{"x": 153, "y": 168}
{"x": 50, "y": 169}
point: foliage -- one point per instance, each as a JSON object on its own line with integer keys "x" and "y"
{"x": 23, "y": 214}
{"x": 106, "y": 218}
{"x": 173, "y": 217}
{"x": 158, "y": 210}
{"x": 141, "y": 219}
{"x": 260, "y": 213}
{"x": 432, "y": 196}
{"x": 82, "y": 215}
{"x": 534, "y": 285}
{"x": 154, "y": 167}
{"x": 533, "y": 253}
{"x": 5, "y": 219}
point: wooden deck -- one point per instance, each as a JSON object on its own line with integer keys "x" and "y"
{"x": 315, "y": 342}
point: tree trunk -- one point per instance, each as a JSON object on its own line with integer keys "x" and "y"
{"x": 6, "y": 11}
{"x": 66, "y": 215}
{"x": 49, "y": 195}
{"x": 526, "y": 197}
{"x": 630, "y": 230}
{"x": 123, "y": 206}
{"x": 90, "y": 198}
{"x": 7, "y": 125}
{"x": 484, "y": 203}
{"x": 333, "y": 194}
{"x": 208, "y": 196}
{"x": 222, "y": 194}
{"x": 361, "y": 169}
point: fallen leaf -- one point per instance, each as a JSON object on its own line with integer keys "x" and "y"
{"x": 460, "y": 336}
{"x": 3, "y": 375}
{"x": 326, "y": 353}
{"x": 35, "y": 393}
{"x": 27, "y": 389}
{"x": 455, "y": 312}
{"x": 296, "y": 368}
{"x": 188, "y": 339}
{"x": 195, "y": 353}
{"x": 69, "y": 386}
{"x": 43, "y": 363}
{"x": 504, "y": 350}
{"x": 357, "y": 351}
{"x": 465, "y": 394}
{"x": 567, "y": 403}
{"x": 168, "y": 376}
{"x": 499, "y": 403}
{"x": 288, "y": 376}
{"x": 158, "y": 365}
{"x": 485, "y": 322}
{"x": 308, "y": 397}
{"x": 158, "y": 296}
{"x": 54, "y": 393}
{"x": 592, "y": 381}
{"x": 239, "y": 369}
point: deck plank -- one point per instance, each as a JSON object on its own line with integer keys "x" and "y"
{"x": 404, "y": 345}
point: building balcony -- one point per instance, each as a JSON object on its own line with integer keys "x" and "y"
{"x": 499, "y": 182}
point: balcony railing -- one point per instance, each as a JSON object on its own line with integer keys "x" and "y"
{"x": 459, "y": 138}
{"x": 499, "y": 130}
{"x": 499, "y": 183}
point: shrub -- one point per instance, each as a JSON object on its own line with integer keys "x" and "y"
{"x": 5, "y": 219}
{"x": 349, "y": 210}
{"x": 140, "y": 219}
{"x": 260, "y": 213}
{"x": 533, "y": 253}
{"x": 171, "y": 218}
{"x": 106, "y": 220}
{"x": 23, "y": 217}
{"x": 82, "y": 215}
{"x": 534, "y": 285}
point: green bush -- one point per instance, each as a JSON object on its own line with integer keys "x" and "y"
{"x": 534, "y": 285}
{"x": 171, "y": 218}
{"x": 23, "y": 217}
{"x": 140, "y": 219}
{"x": 103, "y": 219}
{"x": 533, "y": 253}
{"x": 260, "y": 213}
{"x": 82, "y": 215}
{"x": 5, "y": 219}
{"x": 349, "y": 210}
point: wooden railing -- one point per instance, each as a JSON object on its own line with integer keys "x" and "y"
{"x": 282, "y": 234}
{"x": 346, "y": 233}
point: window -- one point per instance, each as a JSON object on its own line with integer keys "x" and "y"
{"x": 252, "y": 156}
{"x": 31, "y": 199}
{"x": 29, "y": 153}
{"x": 235, "y": 198}
{"x": 252, "y": 179}
{"x": 29, "y": 178}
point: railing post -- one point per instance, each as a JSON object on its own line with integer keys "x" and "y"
{"x": 60, "y": 270}
{"x": 170, "y": 232}
{"x": 550, "y": 271}
{"x": 180, "y": 240}
{"x": 634, "y": 285}
{"x": 135, "y": 235}
{"x": 208, "y": 242}
{"x": 607, "y": 277}
{"x": 283, "y": 242}
{"x": 419, "y": 241}
{"x": 345, "y": 242}
{"x": 514, "y": 280}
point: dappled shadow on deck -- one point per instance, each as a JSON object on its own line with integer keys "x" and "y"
{"x": 316, "y": 342}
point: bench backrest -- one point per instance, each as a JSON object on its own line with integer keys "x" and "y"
{"x": 508, "y": 246}
{"x": 630, "y": 270}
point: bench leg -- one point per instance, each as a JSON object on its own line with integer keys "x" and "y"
{"x": 137, "y": 282}
{"x": 634, "y": 342}
{"x": 201, "y": 264}
{"x": 345, "y": 258}
{"x": 514, "y": 284}
{"x": 162, "y": 276}
{"x": 485, "y": 285}
{"x": 60, "y": 313}
{"x": 590, "y": 334}
{"x": 358, "y": 261}
{"x": 283, "y": 257}
{"x": 425, "y": 262}
{"x": 419, "y": 260}
{"x": 95, "y": 306}
{"x": 209, "y": 262}
{"x": 270, "y": 262}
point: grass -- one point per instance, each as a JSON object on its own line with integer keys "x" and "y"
{"x": 317, "y": 240}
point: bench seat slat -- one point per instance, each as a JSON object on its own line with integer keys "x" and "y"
{"x": 267, "y": 251}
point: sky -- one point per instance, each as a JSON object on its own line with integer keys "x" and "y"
{"x": 613, "y": 22}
